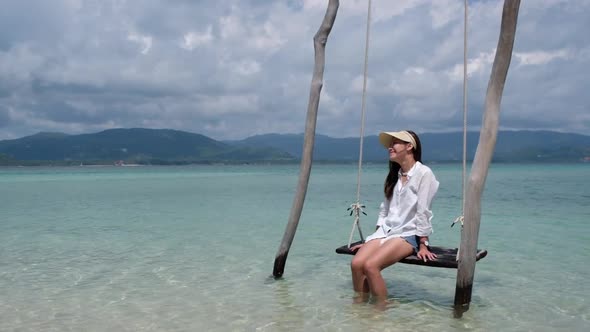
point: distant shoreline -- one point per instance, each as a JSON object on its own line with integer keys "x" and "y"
{"x": 34, "y": 164}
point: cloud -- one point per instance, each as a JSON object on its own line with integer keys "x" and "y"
{"x": 231, "y": 69}
{"x": 478, "y": 64}
{"x": 192, "y": 40}
{"x": 144, "y": 41}
{"x": 541, "y": 57}
{"x": 4, "y": 116}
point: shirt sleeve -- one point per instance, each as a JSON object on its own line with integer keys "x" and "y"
{"x": 383, "y": 212}
{"x": 426, "y": 192}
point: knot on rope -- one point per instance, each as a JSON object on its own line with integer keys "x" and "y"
{"x": 459, "y": 219}
{"x": 356, "y": 209}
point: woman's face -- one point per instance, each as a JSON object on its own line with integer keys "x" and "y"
{"x": 398, "y": 150}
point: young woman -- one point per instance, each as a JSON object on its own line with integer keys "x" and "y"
{"x": 404, "y": 219}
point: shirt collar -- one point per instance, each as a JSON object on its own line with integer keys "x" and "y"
{"x": 411, "y": 171}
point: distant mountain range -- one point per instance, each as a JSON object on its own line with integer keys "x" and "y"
{"x": 511, "y": 146}
{"x": 129, "y": 146}
{"x": 165, "y": 146}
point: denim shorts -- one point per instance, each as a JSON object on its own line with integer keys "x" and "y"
{"x": 413, "y": 241}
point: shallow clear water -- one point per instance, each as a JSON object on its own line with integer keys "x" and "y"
{"x": 192, "y": 248}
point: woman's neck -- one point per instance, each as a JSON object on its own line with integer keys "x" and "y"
{"x": 407, "y": 165}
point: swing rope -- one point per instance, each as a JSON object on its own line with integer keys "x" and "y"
{"x": 357, "y": 208}
{"x": 464, "y": 175}
{"x": 461, "y": 218}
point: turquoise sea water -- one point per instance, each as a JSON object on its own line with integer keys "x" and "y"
{"x": 192, "y": 249}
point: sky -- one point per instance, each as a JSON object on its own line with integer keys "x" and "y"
{"x": 230, "y": 69}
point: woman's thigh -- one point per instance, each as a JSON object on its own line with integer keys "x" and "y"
{"x": 367, "y": 250}
{"x": 391, "y": 252}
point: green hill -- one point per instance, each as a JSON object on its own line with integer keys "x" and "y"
{"x": 164, "y": 146}
{"x": 138, "y": 145}
{"x": 511, "y": 146}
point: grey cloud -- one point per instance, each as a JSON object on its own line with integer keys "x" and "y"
{"x": 59, "y": 111}
{"x": 248, "y": 65}
{"x": 4, "y": 117}
{"x": 122, "y": 89}
{"x": 32, "y": 20}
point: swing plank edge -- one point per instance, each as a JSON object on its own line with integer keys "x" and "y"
{"x": 446, "y": 257}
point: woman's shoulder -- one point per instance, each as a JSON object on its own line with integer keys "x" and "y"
{"x": 423, "y": 169}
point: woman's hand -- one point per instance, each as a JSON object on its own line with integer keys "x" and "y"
{"x": 426, "y": 255}
{"x": 356, "y": 247}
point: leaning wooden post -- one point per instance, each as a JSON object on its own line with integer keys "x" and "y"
{"x": 483, "y": 157}
{"x": 319, "y": 43}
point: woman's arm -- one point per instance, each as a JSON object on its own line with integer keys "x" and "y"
{"x": 426, "y": 191}
{"x": 383, "y": 212}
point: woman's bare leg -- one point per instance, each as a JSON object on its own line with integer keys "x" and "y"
{"x": 359, "y": 281}
{"x": 390, "y": 252}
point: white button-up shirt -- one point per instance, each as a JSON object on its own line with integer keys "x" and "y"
{"x": 408, "y": 212}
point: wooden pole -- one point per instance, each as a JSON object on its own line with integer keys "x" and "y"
{"x": 319, "y": 43}
{"x": 483, "y": 157}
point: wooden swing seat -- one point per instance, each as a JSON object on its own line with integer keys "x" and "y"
{"x": 446, "y": 257}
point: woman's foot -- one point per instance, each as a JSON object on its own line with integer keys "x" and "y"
{"x": 360, "y": 297}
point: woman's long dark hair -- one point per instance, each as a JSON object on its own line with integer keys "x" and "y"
{"x": 394, "y": 167}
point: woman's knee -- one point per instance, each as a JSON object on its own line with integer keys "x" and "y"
{"x": 357, "y": 264}
{"x": 371, "y": 268}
